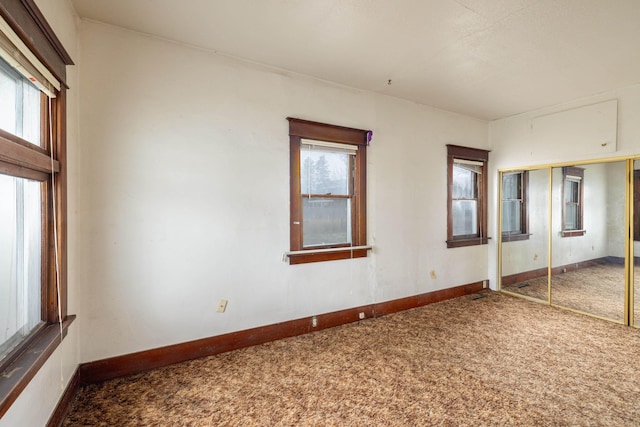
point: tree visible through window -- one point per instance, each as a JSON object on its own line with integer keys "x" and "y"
{"x": 328, "y": 191}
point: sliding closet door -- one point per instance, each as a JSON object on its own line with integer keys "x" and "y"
{"x": 525, "y": 233}
{"x": 588, "y": 239}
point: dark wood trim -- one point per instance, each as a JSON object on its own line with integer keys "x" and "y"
{"x": 28, "y": 156}
{"x": 115, "y": 367}
{"x": 459, "y": 243}
{"x": 24, "y": 17}
{"x": 326, "y": 256}
{"x": 64, "y": 404}
{"x": 16, "y": 376}
{"x": 468, "y": 153}
{"x": 514, "y": 237}
{"x": 573, "y": 233}
{"x": 325, "y": 132}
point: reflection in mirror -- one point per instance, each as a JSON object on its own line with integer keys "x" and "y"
{"x": 588, "y": 238}
{"x": 525, "y": 225}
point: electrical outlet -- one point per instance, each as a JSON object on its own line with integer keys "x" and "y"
{"x": 222, "y": 306}
{"x": 361, "y": 315}
{"x": 314, "y": 322}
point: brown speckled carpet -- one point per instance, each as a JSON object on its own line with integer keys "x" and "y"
{"x": 494, "y": 361}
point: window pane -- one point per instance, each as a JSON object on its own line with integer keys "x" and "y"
{"x": 572, "y": 193}
{"x": 465, "y": 217}
{"x": 20, "y": 259}
{"x": 323, "y": 171}
{"x": 571, "y": 217}
{"x": 511, "y": 216}
{"x": 510, "y": 186}
{"x": 31, "y": 114}
{"x": 8, "y": 102}
{"x": 326, "y": 221}
{"x": 464, "y": 183}
{"x": 19, "y": 105}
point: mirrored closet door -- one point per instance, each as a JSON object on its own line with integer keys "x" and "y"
{"x": 525, "y": 233}
{"x": 564, "y": 236}
{"x": 588, "y": 239}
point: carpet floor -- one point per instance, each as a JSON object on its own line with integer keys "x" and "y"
{"x": 493, "y": 361}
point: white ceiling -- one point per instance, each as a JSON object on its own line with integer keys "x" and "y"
{"x": 483, "y": 58}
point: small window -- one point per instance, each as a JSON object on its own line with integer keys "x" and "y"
{"x": 467, "y": 189}
{"x": 328, "y": 192}
{"x": 515, "y": 215}
{"x": 573, "y": 206}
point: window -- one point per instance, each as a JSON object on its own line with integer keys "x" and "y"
{"x": 515, "y": 215}
{"x": 573, "y": 206}
{"x": 32, "y": 196}
{"x": 328, "y": 192}
{"x": 467, "y": 205}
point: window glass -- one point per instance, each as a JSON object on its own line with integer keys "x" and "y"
{"x": 572, "y": 195}
{"x": 512, "y": 200}
{"x": 325, "y": 186}
{"x": 324, "y": 170}
{"x": 8, "y": 97}
{"x": 19, "y": 105}
{"x": 20, "y": 259}
{"x": 326, "y": 221}
{"x": 465, "y": 217}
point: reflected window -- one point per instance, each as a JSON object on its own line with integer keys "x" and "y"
{"x": 515, "y": 217}
{"x": 573, "y": 197}
{"x": 467, "y": 187}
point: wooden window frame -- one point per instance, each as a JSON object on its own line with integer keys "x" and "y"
{"x": 524, "y": 208}
{"x": 22, "y": 159}
{"x": 305, "y": 129}
{"x": 568, "y": 171}
{"x": 477, "y": 155}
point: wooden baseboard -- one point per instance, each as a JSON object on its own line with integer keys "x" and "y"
{"x": 114, "y": 367}
{"x": 64, "y": 404}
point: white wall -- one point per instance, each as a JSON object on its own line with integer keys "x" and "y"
{"x": 36, "y": 403}
{"x": 511, "y": 141}
{"x": 184, "y": 196}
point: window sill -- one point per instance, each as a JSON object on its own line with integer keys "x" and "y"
{"x": 15, "y": 377}
{"x": 515, "y": 237}
{"x": 573, "y": 233}
{"x": 458, "y": 243}
{"x": 327, "y": 254}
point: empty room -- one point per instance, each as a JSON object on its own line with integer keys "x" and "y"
{"x": 328, "y": 212}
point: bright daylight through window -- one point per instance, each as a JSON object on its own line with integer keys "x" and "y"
{"x": 328, "y": 192}
{"x": 467, "y": 189}
{"x": 20, "y": 217}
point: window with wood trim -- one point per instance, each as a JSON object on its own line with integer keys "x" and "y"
{"x": 33, "y": 316}
{"x": 466, "y": 196}
{"x": 328, "y": 192}
{"x": 573, "y": 201}
{"x": 515, "y": 213}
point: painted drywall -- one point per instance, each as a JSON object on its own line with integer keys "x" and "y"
{"x": 511, "y": 142}
{"x": 36, "y": 403}
{"x": 184, "y": 195}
